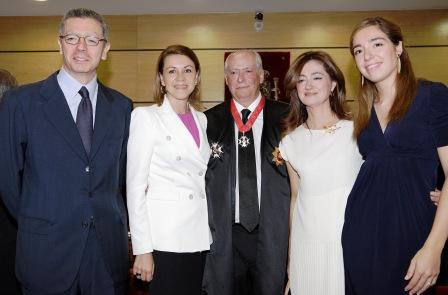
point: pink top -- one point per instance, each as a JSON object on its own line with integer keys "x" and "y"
{"x": 189, "y": 122}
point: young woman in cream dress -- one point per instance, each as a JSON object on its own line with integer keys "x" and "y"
{"x": 322, "y": 160}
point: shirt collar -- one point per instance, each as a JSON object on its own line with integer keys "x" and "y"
{"x": 251, "y": 107}
{"x": 71, "y": 86}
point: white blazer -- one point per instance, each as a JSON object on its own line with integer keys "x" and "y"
{"x": 165, "y": 182}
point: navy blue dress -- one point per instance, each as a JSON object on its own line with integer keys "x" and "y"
{"x": 389, "y": 213}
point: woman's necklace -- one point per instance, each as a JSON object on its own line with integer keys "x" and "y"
{"x": 330, "y": 127}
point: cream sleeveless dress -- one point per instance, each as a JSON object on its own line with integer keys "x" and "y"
{"x": 327, "y": 162}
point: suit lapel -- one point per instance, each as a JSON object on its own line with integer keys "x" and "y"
{"x": 102, "y": 118}
{"x": 228, "y": 135}
{"x": 268, "y": 136}
{"x": 58, "y": 113}
{"x": 175, "y": 125}
{"x": 227, "y": 128}
{"x": 270, "y": 141}
{"x": 204, "y": 148}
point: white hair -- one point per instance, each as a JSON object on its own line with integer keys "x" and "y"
{"x": 257, "y": 56}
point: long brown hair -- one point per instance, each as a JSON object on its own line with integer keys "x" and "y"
{"x": 159, "y": 91}
{"x": 405, "y": 82}
{"x": 297, "y": 110}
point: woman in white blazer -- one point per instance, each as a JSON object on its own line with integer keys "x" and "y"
{"x": 168, "y": 154}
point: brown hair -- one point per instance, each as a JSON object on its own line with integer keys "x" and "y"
{"x": 297, "y": 110}
{"x": 7, "y": 81}
{"x": 406, "y": 83}
{"x": 159, "y": 90}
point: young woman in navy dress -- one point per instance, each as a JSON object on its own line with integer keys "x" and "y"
{"x": 393, "y": 234}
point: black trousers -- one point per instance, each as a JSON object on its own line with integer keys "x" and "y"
{"x": 244, "y": 260}
{"x": 177, "y": 273}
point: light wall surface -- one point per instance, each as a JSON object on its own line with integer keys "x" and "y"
{"x": 28, "y": 45}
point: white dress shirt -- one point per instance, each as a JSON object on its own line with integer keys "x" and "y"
{"x": 257, "y": 129}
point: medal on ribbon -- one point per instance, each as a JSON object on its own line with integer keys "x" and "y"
{"x": 243, "y": 140}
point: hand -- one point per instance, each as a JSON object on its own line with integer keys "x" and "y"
{"x": 435, "y": 196}
{"x": 144, "y": 267}
{"x": 287, "y": 288}
{"x": 423, "y": 271}
{"x": 288, "y": 284}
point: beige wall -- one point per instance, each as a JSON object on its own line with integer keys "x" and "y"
{"x": 28, "y": 46}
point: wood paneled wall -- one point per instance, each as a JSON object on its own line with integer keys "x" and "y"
{"x": 28, "y": 46}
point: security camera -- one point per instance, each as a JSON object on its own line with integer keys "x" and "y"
{"x": 259, "y": 16}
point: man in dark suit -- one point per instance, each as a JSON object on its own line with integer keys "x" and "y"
{"x": 8, "y": 226}
{"x": 62, "y": 168}
{"x": 248, "y": 194}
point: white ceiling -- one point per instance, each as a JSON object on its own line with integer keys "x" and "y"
{"x": 115, "y": 7}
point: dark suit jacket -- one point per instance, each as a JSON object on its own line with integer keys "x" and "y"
{"x": 274, "y": 206}
{"x": 53, "y": 188}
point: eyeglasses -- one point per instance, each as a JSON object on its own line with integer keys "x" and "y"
{"x": 74, "y": 39}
